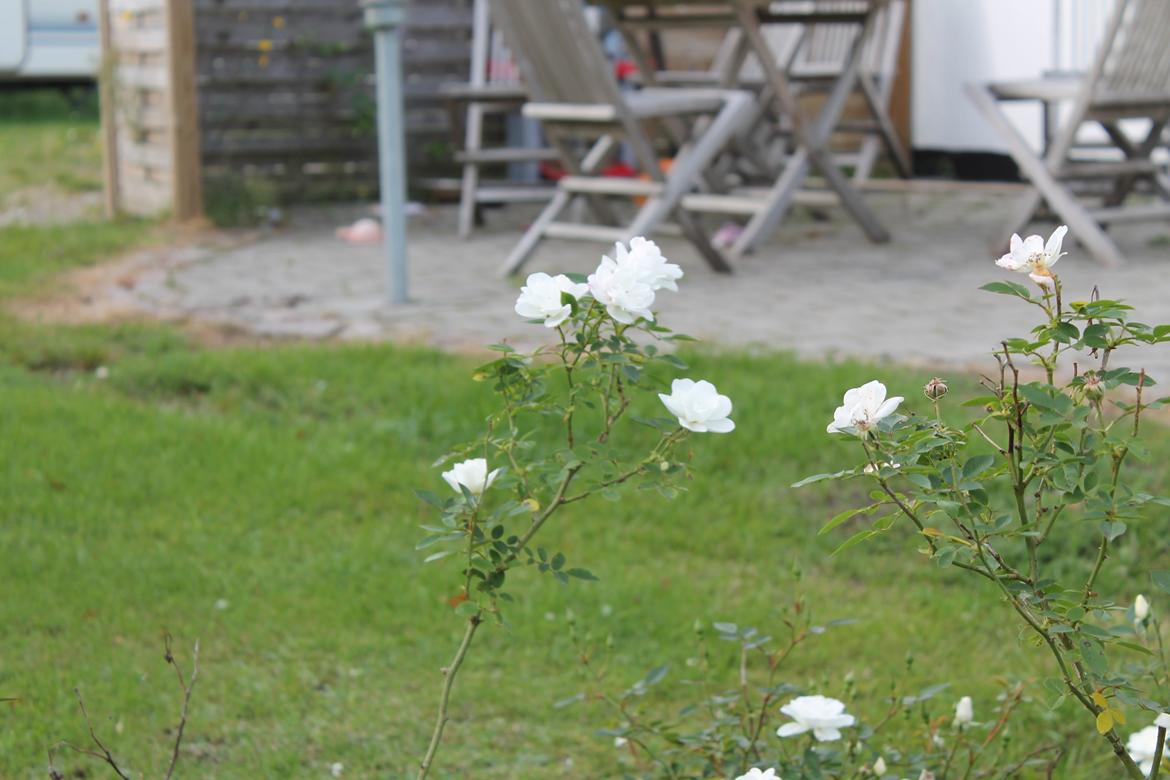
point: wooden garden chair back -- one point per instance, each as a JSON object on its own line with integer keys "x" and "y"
{"x": 575, "y": 95}
{"x": 1130, "y": 79}
{"x": 493, "y": 87}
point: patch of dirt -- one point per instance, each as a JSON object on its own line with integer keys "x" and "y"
{"x": 102, "y": 293}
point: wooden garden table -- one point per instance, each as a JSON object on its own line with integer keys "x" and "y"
{"x": 810, "y": 132}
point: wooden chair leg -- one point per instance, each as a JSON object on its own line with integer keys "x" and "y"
{"x": 528, "y": 242}
{"x": 467, "y": 199}
{"x": 694, "y": 231}
{"x": 886, "y": 130}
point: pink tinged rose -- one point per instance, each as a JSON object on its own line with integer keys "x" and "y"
{"x": 863, "y": 408}
{"x": 823, "y": 716}
{"x": 542, "y": 298}
{"x": 698, "y": 406}
{"x": 1034, "y": 256}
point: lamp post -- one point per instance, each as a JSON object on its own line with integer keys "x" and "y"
{"x": 383, "y": 18}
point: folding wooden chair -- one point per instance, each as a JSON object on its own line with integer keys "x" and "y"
{"x": 1130, "y": 79}
{"x": 493, "y": 87}
{"x": 575, "y": 95}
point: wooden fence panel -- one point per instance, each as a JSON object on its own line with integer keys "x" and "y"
{"x": 286, "y": 91}
{"x": 276, "y": 94}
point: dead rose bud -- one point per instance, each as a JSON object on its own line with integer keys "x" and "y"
{"x": 1093, "y": 386}
{"x": 935, "y": 389}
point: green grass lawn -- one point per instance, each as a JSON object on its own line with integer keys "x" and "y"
{"x": 48, "y": 140}
{"x": 261, "y": 500}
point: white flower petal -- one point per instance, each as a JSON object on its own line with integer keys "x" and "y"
{"x": 721, "y": 426}
{"x": 791, "y": 730}
{"x": 1052, "y": 248}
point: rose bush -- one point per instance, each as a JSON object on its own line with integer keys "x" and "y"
{"x": 507, "y": 486}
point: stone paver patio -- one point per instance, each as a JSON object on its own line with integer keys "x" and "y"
{"x": 818, "y": 288}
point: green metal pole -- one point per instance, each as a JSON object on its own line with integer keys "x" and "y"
{"x": 384, "y": 18}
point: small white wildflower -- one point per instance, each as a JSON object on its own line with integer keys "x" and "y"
{"x": 964, "y": 712}
{"x": 336, "y": 768}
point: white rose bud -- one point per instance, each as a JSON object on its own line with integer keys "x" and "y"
{"x": 964, "y": 711}
{"x": 879, "y": 767}
{"x": 1141, "y": 609}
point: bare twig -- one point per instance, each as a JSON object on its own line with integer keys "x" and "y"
{"x": 102, "y": 751}
{"x": 187, "y": 687}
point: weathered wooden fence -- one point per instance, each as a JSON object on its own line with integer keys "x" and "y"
{"x": 148, "y": 108}
{"x": 279, "y": 92}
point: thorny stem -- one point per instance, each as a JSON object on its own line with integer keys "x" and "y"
{"x": 445, "y": 696}
{"x": 1158, "y": 754}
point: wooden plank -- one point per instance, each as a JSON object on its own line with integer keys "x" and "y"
{"x": 134, "y": 6}
{"x": 901, "y": 96}
{"x": 153, "y": 156}
{"x": 140, "y": 77}
{"x": 579, "y": 231}
{"x": 187, "y": 178}
{"x": 140, "y": 41}
{"x": 111, "y": 189}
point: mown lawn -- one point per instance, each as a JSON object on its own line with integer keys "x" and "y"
{"x": 261, "y": 501}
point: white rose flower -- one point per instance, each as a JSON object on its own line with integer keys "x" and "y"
{"x": 1033, "y": 256}
{"x": 623, "y": 292}
{"x": 652, "y": 266}
{"x": 879, "y": 767}
{"x": 863, "y": 408}
{"x": 1141, "y": 747}
{"x": 698, "y": 406}
{"x": 541, "y": 298}
{"x": 823, "y": 716}
{"x": 964, "y": 712}
{"x": 757, "y": 774}
{"x": 1141, "y": 608}
{"x": 471, "y": 474}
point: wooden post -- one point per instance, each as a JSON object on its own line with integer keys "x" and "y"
{"x": 186, "y": 169}
{"x": 901, "y": 99}
{"x": 111, "y": 187}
